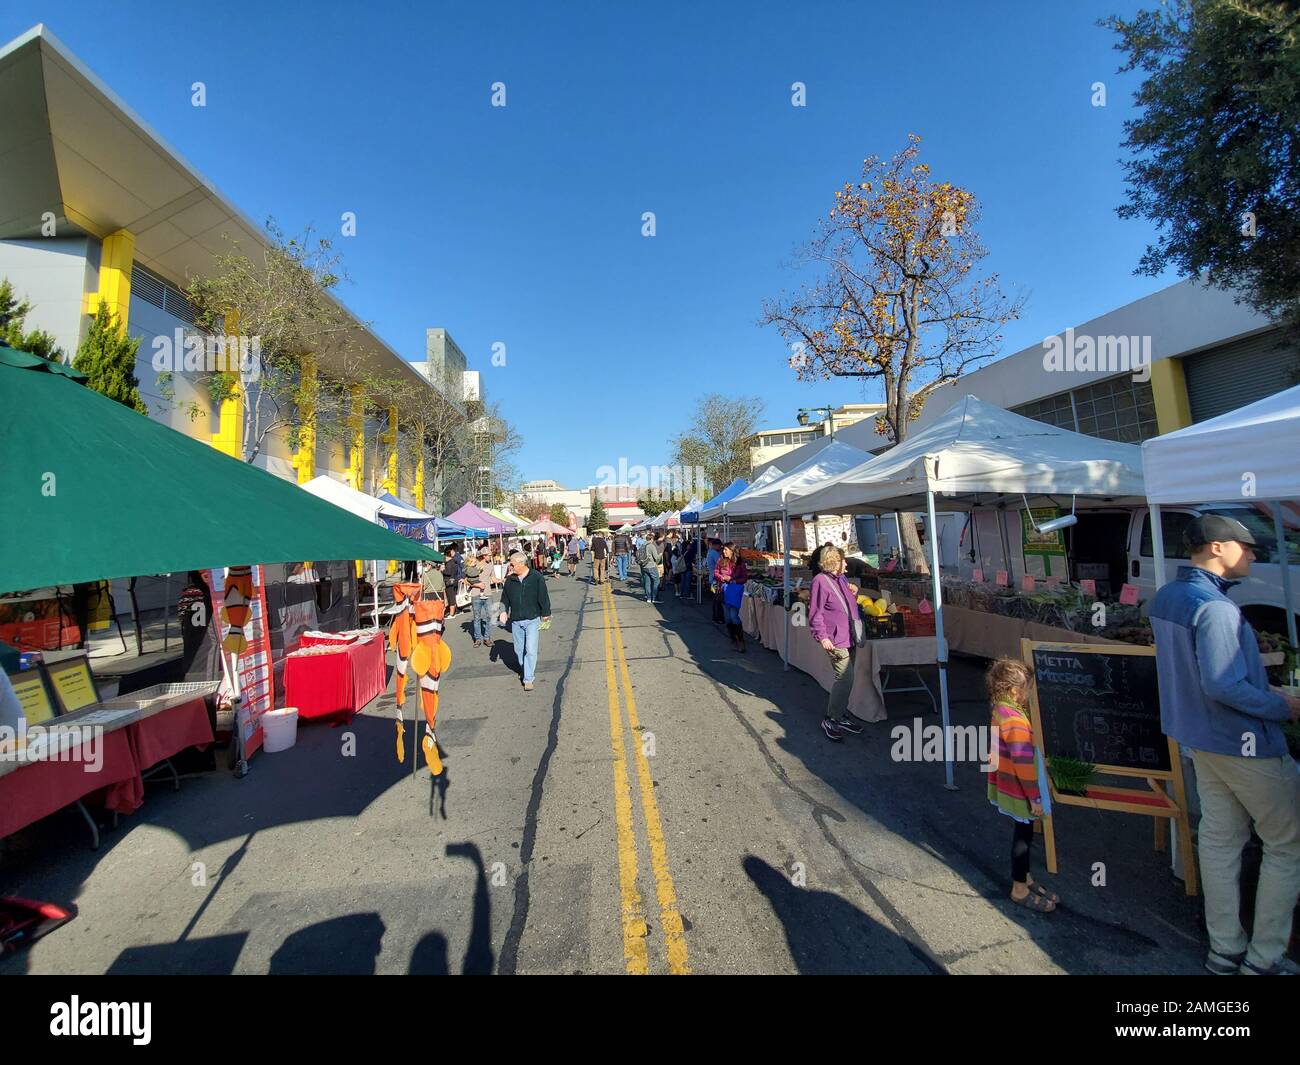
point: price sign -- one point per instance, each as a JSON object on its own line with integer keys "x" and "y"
{"x": 1088, "y": 588}
{"x": 1027, "y": 582}
{"x": 33, "y": 696}
{"x": 978, "y": 576}
{"x": 1002, "y": 580}
{"x": 1128, "y": 595}
{"x": 73, "y": 683}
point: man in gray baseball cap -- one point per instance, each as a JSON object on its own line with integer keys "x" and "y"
{"x": 1215, "y": 700}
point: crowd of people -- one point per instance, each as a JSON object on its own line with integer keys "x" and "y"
{"x": 1216, "y": 700}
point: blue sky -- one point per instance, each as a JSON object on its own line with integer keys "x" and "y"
{"x": 522, "y": 225}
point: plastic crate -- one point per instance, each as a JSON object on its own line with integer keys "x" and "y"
{"x": 890, "y": 627}
{"x": 915, "y": 624}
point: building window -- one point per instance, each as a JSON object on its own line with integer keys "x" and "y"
{"x": 1118, "y": 408}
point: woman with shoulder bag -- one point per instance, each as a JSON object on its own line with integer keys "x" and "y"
{"x": 835, "y": 623}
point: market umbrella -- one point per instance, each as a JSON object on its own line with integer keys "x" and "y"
{"x": 95, "y": 491}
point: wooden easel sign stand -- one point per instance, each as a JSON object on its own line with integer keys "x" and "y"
{"x": 1100, "y": 703}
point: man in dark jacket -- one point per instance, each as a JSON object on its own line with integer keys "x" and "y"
{"x": 1215, "y": 700}
{"x": 526, "y": 604}
{"x": 599, "y": 558}
{"x": 622, "y": 554}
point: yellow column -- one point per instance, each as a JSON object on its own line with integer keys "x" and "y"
{"x": 116, "y": 255}
{"x": 356, "y": 471}
{"x": 390, "y": 439}
{"x": 304, "y": 460}
{"x": 390, "y": 477}
{"x": 419, "y": 466}
{"x": 229, "y": 435}
{"x": 1169, "y": 389}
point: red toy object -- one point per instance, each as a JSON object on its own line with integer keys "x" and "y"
{"x": 23, "y": 922}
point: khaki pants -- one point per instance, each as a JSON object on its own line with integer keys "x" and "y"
{"x": 1235, "y": 792}
{"x": 837, "y": 705}
{"x": 598, "y": 569}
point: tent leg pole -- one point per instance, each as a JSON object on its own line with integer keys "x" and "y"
{"x": 1006, "y": 544}
{"x": 785, "y": 594}
{"x": 1279, "y": 531}
{"x": 940, "y": 642}
{"x": 1158, "y": 545}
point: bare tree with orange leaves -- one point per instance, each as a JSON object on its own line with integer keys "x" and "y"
{"x": 897, "y": 299}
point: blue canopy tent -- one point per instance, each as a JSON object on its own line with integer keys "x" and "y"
{"x": 424, "y": 528}
{"x": 692, "y": 517}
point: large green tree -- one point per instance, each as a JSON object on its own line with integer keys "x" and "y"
{"x": 1215, "y": 147}
{"x": 107, "y": 358}
{"x": 718, "y": 438}
{"x": 597, "y": 519}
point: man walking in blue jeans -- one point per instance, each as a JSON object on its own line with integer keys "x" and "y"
{"x": 1216, "y": 701}
{"x": 622, "y": 553}
{"x": 525, "y": 604}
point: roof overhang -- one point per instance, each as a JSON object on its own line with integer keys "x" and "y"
{"x": 71, "y": 147}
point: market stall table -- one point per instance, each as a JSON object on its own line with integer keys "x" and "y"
{"x": 867, "y": 699}
{"x": 136, "y": 735}
{"x": 324, "y": 679}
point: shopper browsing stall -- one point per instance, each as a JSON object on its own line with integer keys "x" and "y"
{"x": 836, "y": 623}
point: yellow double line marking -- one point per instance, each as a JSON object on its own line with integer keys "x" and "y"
{"x": 634, "y": 926}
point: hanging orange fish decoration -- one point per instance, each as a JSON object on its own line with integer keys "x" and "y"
{"x": 416, "y": 636}
{"x": 237, "y": 608}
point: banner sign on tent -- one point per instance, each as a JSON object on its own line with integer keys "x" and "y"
{"x": 424, "y": 532}
{"x": 253, "y": 665}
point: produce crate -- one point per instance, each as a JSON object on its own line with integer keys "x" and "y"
{"x": 889, "y": 627}
{"x": 915, "y": 624}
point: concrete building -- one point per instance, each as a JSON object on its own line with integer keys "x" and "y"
{"x": 1207, "y": 355}
{"x": 769, "y": 445}
{"x": 575, "y": 501}
{"x": 96, "y": 208}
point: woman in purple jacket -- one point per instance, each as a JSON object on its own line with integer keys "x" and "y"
{"x": 832, "y": 617}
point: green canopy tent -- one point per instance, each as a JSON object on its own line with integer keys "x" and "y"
{"x": 93, "y": 491}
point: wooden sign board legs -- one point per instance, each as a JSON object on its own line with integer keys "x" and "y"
{"x": 1152, "y": 801}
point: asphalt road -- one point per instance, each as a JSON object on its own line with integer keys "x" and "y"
{"x": 658, "y": 804}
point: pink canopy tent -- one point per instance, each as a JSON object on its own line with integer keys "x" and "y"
{"x": 545, "y": 525}
{"x": 472, "y": 517}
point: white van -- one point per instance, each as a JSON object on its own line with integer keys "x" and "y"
{"x": 1121, "y": 542}
{"x": 1113, "y": 546}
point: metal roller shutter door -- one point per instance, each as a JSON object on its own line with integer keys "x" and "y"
{"x": 1232, "y": 375}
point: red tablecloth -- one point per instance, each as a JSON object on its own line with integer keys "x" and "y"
{"x": 39, "y": 789}
{"x": 170, "y": 732}
{"x": 339, "y": 683}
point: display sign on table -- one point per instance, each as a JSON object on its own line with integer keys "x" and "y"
{"x": 73, "y": 683}
{"x": 978, "y": 576}
{"x": 1003, "y": 579}
{"x": 1088, "y": 587}
{"x": 1128, "y": 595}
{"x": 33, "y": 696}
{"x": 1027, "y": 583}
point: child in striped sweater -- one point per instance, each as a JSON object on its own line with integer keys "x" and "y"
{"x": 1017, "y": 785}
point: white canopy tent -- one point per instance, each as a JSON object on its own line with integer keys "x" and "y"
{"x": 766, "y": 499}
{"x": 1248, "y": 454}
{"x": 975, "y": 455}
{"x": 363, "y": 506}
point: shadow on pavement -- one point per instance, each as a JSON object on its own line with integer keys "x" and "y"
{"x": 1141, "y": 921}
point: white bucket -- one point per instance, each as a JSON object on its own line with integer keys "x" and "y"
{"x": 279, "y": 729}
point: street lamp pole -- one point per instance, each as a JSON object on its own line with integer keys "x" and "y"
{"x": 828, "y": 411}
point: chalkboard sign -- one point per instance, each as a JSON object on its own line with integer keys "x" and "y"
{"x": 1101, "y": 705}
